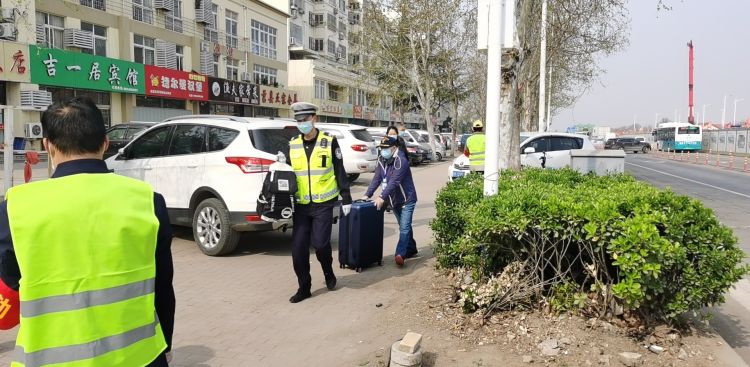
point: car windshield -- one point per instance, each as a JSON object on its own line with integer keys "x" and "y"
{"x": 362, "y": 135}
{"x": 273, "y": 140}
{"x": 524, "y": 138}
{"x": 420, "y": 138}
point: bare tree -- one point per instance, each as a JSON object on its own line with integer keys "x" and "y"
{"x": 410, "y": 49}
{"x": 579, "y": 33}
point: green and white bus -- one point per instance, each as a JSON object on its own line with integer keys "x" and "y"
{"x": 679, "y": 136}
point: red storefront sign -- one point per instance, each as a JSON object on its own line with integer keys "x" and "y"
{"x": 169, "y": 83}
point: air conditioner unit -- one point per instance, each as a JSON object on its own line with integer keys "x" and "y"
{"x": 341, "y": 36}
{"x": 36, "y": 98}
{"x": 246, "y": 77}
{"x": 339, "y": 55}
{"x": 78, "y": 38}
{"x": 335, "y": 11}
{"x": 41, "y": 35}
{"x": 8, "y": 15}
{"x": 8, "y": 31}
{"x": 301, "y": 11}
{"x": 292, "y": 41}
{"x": 167, "y": 5}
{"x": 33, "y": 130}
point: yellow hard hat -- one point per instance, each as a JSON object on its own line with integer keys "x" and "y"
{"x": 477, "y": 123}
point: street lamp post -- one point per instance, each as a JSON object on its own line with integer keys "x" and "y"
{"x": 734, "y": 117}
{"x": 542, "y": 67}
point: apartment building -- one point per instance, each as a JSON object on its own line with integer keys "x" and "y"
{"x": 146, "y": 60}
{"x": 321, "y": 64}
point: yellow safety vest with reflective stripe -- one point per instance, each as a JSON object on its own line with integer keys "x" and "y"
{"x": 475, "y": 145}
{"x": 86, "y": 245}
{"x": 316, "y": 181}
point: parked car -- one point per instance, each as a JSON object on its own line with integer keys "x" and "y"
{"x": 121, "y": 134}
{"x": 359, "y": 151}
{"x": 448, "y": 138}
{"x": 628, "y": 145}
{"x": 598, "y": 143}
{"x": 411, "y": 136}
{"x": 550, "y": 149}
{"x": 210, "y": 170}
{"x": 416, "y": 153}
{"x": 424, "y": 137}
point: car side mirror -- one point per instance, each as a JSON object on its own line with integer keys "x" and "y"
{"x": 122, "y": 153}
{"x": 529, "y": 150}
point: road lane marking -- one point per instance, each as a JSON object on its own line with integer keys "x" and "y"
{"x": 690, "y": 180}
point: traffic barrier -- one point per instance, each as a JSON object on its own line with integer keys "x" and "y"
{"x": 682, "y": 155}
{"x": 731, "y": 160}
{"x": 744, "y": 166}
{"x": 706, "y": 156}
{"x": 717, "y": 159}
{"x": 697, "y": 156}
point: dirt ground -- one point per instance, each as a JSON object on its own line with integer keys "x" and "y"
{"x": 452, "y": 338}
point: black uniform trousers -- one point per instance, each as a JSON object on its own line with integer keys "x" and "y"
{"x": 312, "y": 226}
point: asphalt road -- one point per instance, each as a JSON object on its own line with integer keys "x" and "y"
{"x": 728, "y": 194}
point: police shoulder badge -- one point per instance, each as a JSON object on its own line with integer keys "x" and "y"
{"x": 338, "y": 153}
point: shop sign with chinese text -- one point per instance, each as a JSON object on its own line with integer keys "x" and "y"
{"x": 14, "y": 66}
{"x": 51, "y": 66}
{"x": 333, "y": 108}
{"x": 277, "y": 97}
{"x": 223, "y": 90}
{"x": 169, "y": 83}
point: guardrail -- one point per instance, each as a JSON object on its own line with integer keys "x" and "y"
{"x": 727, "y": 161}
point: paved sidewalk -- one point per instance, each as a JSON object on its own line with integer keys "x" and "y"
{"x": 234, "y": 311}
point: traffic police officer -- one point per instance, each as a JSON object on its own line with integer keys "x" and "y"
{"x": 316, "y": 160}
{"x": 90, "y": 254}
{"x": 475, "y": 148}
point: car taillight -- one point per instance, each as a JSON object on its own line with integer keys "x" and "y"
{"x": 250, "y": 164}
{"x": 360, "y": 147}
{"x": 253, "y": 218}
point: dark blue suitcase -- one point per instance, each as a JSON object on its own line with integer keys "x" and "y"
{"x": 361, "y": 236}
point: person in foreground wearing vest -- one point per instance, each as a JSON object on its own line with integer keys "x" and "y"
{"x": 316, "y": 160}
{"x": 394, "y": 178}
{"x": 89, "y": 255}
{"x": 475, "y": 148}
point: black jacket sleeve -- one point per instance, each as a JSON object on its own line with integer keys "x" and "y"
{"x": 164, "y": 299}
{"x": 9, "y": 271}
{"x": 341, "y": 178}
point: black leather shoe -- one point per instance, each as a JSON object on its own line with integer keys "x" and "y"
{"x": 300, "y": 296}
{"x": 330, "y": 281}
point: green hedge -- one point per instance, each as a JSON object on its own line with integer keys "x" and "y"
{"x": 659, "y": 253}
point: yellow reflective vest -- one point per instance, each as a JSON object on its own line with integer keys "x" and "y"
{"x": 85, "y": 245}
{"x": 316, "y": 180}
{"x": 475, "y": 145}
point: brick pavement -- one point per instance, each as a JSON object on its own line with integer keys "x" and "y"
{"x": 234, "y": 311}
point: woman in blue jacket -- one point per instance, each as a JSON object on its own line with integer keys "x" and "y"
{"x": 393, "y": 175}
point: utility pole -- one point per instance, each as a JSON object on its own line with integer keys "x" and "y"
{"x": 635, "y": 118}
{"x": 542, "y": 66}
{"x": 494, "y": 55}
{"x": 724, "y": 112}
{"x": 656, "y": 121}
{"x": 549, "y": 101}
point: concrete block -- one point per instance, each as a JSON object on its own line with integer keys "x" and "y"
{"x": 404, "y": 359}
{"x": 410, "y": 343}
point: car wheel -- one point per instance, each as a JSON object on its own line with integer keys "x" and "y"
{"x": 646, "y": 150}
{"x": 439, "y": 157}
{"x": 352, "y": 177}
{"x": 211, "y": 228}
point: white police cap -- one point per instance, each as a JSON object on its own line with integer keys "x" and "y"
{"x": 302, "y": 109}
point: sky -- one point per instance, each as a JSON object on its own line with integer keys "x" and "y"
{"x": 650, "y": 76}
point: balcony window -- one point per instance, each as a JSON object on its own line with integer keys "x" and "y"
{"x": 54, "y": 28}
{"x": 231, "y": 28}
{"x": 143, "y": 11}
{"x": 96, "y": 4}
{"x": 143, "y": 50}
{"x": 100, "y": 39}
{"x": 264, "y": 40}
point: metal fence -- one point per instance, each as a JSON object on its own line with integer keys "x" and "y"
{"x": 727, "y": 141}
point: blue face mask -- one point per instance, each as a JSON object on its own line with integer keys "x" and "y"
{"x": 386, "y": 153}
{"x": 305, "y": 127}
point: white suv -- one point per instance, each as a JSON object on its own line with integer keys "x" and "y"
{"x": 359, "y": 151}
{"x": 210, "y": 170}
{"x": 551, "y": 148}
